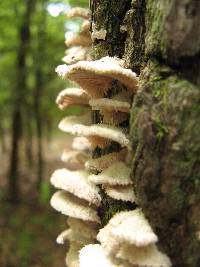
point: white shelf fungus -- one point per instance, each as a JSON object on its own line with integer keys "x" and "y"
{"x": 81, "y": 143}
{"x": 117, "y": 174}
{"x": 95, "y": 76}
{"x": 71, "y": 206}
{"x": 148, "y": 256}
{"x": 88, "y": 229}
{"x": 103, "y": 162}
{"x": 94, "y": 255}
{"x": 79, "y": 12}
{"x": 77, "y": 183}
{"x": 133, "y": 229}
{"x": 85, "y": 27}
{"x": 113, "y": 118}
{"x": 61, "y": 239}
{"x": 72, "y": 96}
{"x": 74, "y": 157}
{"x": 124, "y": 193}
{"x": 72, "y": 258}
{"x": 109, "y": 104}
{"x": 75, "y": 54}
{"x": 74, "y": 125}
{"x": 78, "y": 39}
{"x": 75, "y": 237}
{"x": 70, "y": 123}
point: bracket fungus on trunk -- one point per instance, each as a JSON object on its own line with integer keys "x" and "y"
{"x": 75, "y": 54}
{"x": 72, "y": 206}
{"x": 95, "y": 77}
{"x": 127, "y": 240}
{"x": 72, "y": 96}
{"x": 79, "y": 12}
{"x": 77, "y": 183}
{"x": 117, "y": 174}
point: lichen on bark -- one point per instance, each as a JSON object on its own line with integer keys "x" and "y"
{"x": 157, "y": 39}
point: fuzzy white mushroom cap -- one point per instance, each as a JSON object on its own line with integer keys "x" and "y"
{"x": 78, "y": 39}
{"x": 85, "y": 27}
{"x": 95, "y": 76}
{"x": 87, "y": 229}
{"x": 75, "y": 237}
{"x": 61, "y": 238}
{"x": 79, "y": 125}
{"x": 133, "y": 229}
{"x": 74, "y": 157}
{"x": 79, "y": 12}
{"x": 77, "y": 183}
{"x": 94, "y": 255}
{"x": 105, "y": 161}
{"x": 75, "y": 54}
{"x": 113, "y": 117}
{"x": 117, "y": 174}
{"x": 124, "y": 193}
{"x": 72, "y": 96}
{"x": 81, "y": 143}
{"x": 72, "y": 206}
{"x": 148, "y": 256}
{"x": 109, "y": 104}
{"x": 72, "y": 258}
{"x": 71, "y": 123}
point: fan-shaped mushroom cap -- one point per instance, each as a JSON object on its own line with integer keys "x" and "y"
{"x": 95, "y": 76}
{"x": 75, "y": 126}
{"x": 71, "y": 123}
{"x": 94, "y": 255}
{"x": 72, "y": 206}
{"x": 77, "y": 183}
{"x": 109, "y": 104}
{"x": 75, "y": 54}
{"x": 62, "y": 237}
{"x": 79, "y": 12}
{"x": 72, "y": 258}
{"x": 133, "y": 229}
{"x": 117, "y": 174}
{"x": 88, "y": 229}
{"x": 74, "y": 157}
{"x": 78, "y": 39}
{"x": 148, "y": 256}
{"x": 72, "y": 96}
{"x": 75, "y": 237}
{"x": 105, "y": 161}
{"x": 124, "y": 193}
{"x": 113, "y": 117}
{"x": 81, "y": 143}
{"x": 85, "y": 27}
{"x": 110, "y": 244}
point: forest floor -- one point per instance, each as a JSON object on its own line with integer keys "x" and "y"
{"x": 28, "y": 230}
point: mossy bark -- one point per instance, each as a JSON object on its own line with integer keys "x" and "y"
{"x": 160, "y": 40}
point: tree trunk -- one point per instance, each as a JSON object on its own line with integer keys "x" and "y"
{"x": 160, "y": 41}
{"x": 38, "y": 91}
{"x": 20, "y": 99}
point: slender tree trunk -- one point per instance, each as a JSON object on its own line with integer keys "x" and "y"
{"x": 160, "y": 41}
{"x": 29, "y": 138}
{"x": 20, "y": 98}
{"x": 39, "y": 86}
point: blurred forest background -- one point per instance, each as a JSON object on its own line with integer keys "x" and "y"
{"x": 32, "y": 34}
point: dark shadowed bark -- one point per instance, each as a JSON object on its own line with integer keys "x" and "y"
{"x": 20, "y": 99}
{"x": 160, "y": 41}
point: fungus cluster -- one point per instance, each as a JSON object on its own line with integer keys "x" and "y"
{"x": 128, "y": 239}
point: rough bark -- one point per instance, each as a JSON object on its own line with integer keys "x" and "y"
{"x": 160, "y": 40}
